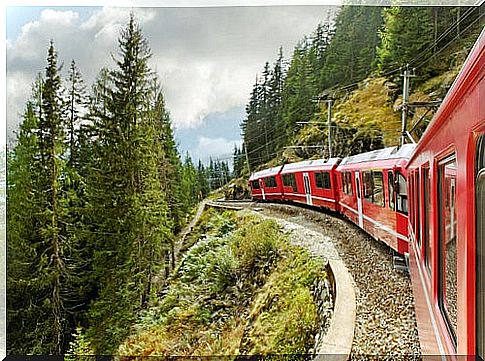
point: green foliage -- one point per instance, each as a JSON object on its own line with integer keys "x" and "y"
{"x": 214, "y": 303}
{"x": 336, "y": 61}
{"x": 282, "y": 98}
{"x": 129, "y": 209}
{"x": 43, "y": 261}
{"x": 218, "y": 174}
{"x": 262, "y": 127}
{"x": 79, "y": 348}
{"x": 408, "y": 31}
{"x": 351, "y": 51}
{"x": 211, "y": 223}
{"x": 284, "y": 318}
{"x": 96, "y": 192}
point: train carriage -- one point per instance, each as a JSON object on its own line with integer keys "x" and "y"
{"x": 267, "y": 184}
{"x": 447, "y": 218}
{"x": 372, "y": 193}
{"x": 311, "y": 182}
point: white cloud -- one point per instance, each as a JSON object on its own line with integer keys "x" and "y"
{"x": 64, "y": 18}
{"x": 217, "y": 148}
{"x": 207, "y": 58}
{"x": 17, "y": 86}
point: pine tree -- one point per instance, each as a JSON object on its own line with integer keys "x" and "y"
{"x": 189, "y": 184}
{"x": 76, "y": 107}
{"x": 407, "y": 32}
{"x": 126, "y": 197}
{"x": 202, "y": 181}
{"x": 274, "y": 112}
{"x": 51, "y": 195}
{"x": 352, "y": 49}
{"x": 37, "y": 185}
{"x": 299, "y": 90}
{"x": 23, "y": 286}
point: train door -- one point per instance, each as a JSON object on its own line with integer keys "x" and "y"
{"x": 480, "y": 257}
{"x": 359, "y": 199}
{"x": 261, "y": 185}
{"x": 308, "y": 193}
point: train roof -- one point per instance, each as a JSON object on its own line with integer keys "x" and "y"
{"x": 265, "y": 173}
{"x": 403, "y": 152}
{"x": 310, "y": 165}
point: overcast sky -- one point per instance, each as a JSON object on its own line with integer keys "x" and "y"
{"x": 207, "y": 58}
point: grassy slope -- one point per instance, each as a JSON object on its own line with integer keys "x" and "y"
{"x": 235, "y": 292}
{"x": 375, "y": 103}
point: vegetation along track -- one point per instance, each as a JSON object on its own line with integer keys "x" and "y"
{"x": 385, "y": 318}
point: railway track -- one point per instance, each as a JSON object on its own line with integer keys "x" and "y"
{"x": 385, "y": 323}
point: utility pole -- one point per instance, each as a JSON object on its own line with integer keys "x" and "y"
{"x": 329, "y": 127}
{"x": 405, "y": 103}
{"x": 266, "y": 141}
{"x": 247, "y": 158}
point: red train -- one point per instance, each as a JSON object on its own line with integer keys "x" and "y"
{"x": 368, "y": 188}
{"x": 446, "y": 179}
{"x": 440, "y": 185}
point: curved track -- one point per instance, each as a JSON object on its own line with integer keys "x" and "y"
{"x": 385, "y": 319}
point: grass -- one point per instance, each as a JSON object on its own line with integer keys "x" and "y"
{"x": 370, "y": 106}
{"x": 241, "y": 289}
{"x": 211, "y": 223}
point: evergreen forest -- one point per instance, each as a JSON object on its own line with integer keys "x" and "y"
{"x": 97, "y": 192}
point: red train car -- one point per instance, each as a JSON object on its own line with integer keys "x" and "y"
{"x": 372, "y": 193}
{"x": 311, "y": 182}
{"x": 447, "y": 218}
{"x": 267, "y": 184}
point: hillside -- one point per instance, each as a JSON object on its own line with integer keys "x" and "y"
{"x": 357, "y": 61}
{"x": 240, "y": 289}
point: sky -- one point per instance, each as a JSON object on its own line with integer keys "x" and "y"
{"x": 207, "y": 58}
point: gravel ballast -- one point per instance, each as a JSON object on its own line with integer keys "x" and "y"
{"x": 385, "y": 317}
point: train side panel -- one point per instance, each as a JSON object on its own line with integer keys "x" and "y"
{"x": 373, "y": 194}
{"x": 313, "y": 183}
{"x": 448, "y": 283}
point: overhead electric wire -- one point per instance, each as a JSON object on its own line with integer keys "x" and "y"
{"x": 452, "y": 40}
{"x": 417, "y": 57}
{"x": 443, "y": 35}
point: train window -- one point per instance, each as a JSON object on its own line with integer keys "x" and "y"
{"x": 322, "y": 180}
{"x": 378, "y": 188}
{"x": 347, "y": 182}
{"x": 289, "y": 180}
{"x": 367, "y": 186}
{"x": 411, "y": 196}
{"x": 427, "y": 219}
{"x": 480, "y": 234}
{"x": 374, "y": 187}
{"x": 390, "y": 186}
{"x": 270, "y": 182}
{"x": 255, "y": 184}
{"x": 447, "y": 242}
{"x": 401, "y": 194}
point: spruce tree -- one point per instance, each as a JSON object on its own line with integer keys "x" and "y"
{"x": 51, "y": 225}
{"x": 407, "y": 32}
{"x": 202, "y": 181}
{"x": 126, "y": 197}
{"x": 76, "y": 107}
{"x": 37, "y": 185}
{"x": 23, "y": 286}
